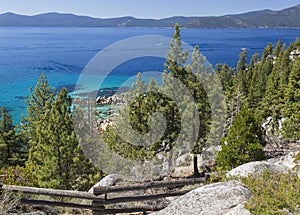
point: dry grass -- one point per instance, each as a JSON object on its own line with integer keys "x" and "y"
{"x": 9, "y": 201}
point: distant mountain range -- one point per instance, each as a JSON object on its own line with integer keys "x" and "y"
{"x": 286, "y": 18}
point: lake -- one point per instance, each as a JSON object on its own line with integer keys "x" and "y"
{"x": 62, "y": 53}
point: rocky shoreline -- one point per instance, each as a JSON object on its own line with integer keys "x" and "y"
{"x": 116, "y": 99}
{"x": 113, "y": 103}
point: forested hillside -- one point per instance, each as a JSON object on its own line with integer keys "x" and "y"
{"x": 286, "y": 18}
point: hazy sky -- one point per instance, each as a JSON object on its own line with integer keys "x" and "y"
{"x": 142, "y": 8}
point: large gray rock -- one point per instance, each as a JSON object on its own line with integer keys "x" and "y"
{"x": 184, "y": 160}
{"x": 288, "y": 161}
{"x": 109, "y": 180}
{"x": 256, "y": 168}
{"x": 214, "y": 199}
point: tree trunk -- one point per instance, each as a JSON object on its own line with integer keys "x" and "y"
{"x": 196, "y": 171}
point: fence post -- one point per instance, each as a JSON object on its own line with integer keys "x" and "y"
{"x": 97, "y": 207}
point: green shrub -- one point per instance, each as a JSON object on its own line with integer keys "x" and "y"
{"x": 297, "y": 158}
{"x": 244, "y": 142}
{"x": 274, "y": 194}
{"x": 19, "y": 176}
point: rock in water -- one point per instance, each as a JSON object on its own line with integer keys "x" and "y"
{"x": 213, "y": 199}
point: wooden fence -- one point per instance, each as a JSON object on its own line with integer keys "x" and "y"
{"x": 99, "y": 201}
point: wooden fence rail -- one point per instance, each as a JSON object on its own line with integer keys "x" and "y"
{"x": 159, "y": 184}
{"x": 100, "y": 199}
{"x": 55, "y": 203}
{"x": 117, "y": 200}
{"x": 50, "y": 192}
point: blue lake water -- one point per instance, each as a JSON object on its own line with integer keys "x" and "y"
{"x": 62, "y": 53}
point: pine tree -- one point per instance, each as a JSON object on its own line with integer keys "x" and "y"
{"x": 292, "y": 104}
{"x": 127, "y": 144}
{"x": 192, "y": 77}
{"x": 145, "y": 104}
{"x": 244, "y": 142}
{"x": 272, "y": 102}
{"x": 260, "y": 77}
{"x": 56, "y": 160}
{"x": 144, "y": 101}
{"x": 254, "y": 96}
{"x": 278, "y": 49}
{"x": 255, "y": 60}
{"x": 175, "y": 70}
{"x": 176, "y": 57}
{"x": 275, "y": 99}
{"x": 198, "y": 73}
{"x": 242, "y": 70}
{"x": 36, "y": 101}
{"x": 226, "y": 75}
{"x": 36, "y": 106}
{"x": 10, "y": 143}
{"x": 242, "y": 63}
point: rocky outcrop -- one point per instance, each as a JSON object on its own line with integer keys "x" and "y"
{"x": 184, "y": 160}
{"x": 270, "y": 136}
{"x": 102, "y": 124}
{"x": 109, "y": 180}
{"x": 116, "y": 99}
{"x": 106, "y": 116}
{"x": 294, "y": 54}
{"x": 184, "y": 166}
{"x": 288, "y": 161}
{"x": 256, "y": 168}
{"x": 214, "y": 199}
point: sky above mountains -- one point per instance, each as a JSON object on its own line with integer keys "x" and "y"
{"x": 143, "y": 8}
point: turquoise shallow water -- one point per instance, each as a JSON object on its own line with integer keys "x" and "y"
{"x": 62, "y": 53}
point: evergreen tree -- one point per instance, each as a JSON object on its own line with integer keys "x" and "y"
{"x": 144, "y": 101}
{"x": 242, "y": 63}
{"x": 192, "y": 77}
{"x": 197, "y": 74}
{"x": 244, "y": 142}
{"x": 176, "y": 57}
{"x": 56, "y": 160}
{"x": 145, "y": 104}
{"x": 242, "y": 70}
{"x": 254, "y": 96}
{"x": 292, "y": 104}
{"x": 226, "y": 75}
{"x": 275, "y": 102}
{"x": 12, "y": 149}
{"x": 255, "y": 60}
{"x": 270, "y": 105}
{"x": 36, "y": 101}
{"x": 278, "y": 49}
{"x": 36, "y": 106}
{"x": 272, "y": 102}
{"x": 260, "y": 77}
